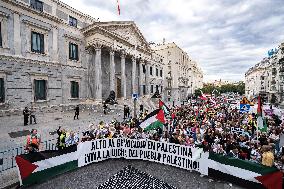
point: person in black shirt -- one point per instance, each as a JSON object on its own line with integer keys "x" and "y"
{"x": 125, "y": 112}
{"x": 76, "y": 112}
{"x": 105, "y": 108}
{"x": 26, "y": 114}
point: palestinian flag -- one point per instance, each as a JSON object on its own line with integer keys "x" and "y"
{"x": 153, "y": 120}
{"x": 164, "y": 107}
{"x": 261, "y": 125}
{"x": 39, "y": 166}
{"x": 244, "y": 173}
{"x": 203, "y": 97}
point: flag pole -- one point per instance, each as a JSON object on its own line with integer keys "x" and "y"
{"x": 257, "y": 129}
{"x": 118, "y": 7}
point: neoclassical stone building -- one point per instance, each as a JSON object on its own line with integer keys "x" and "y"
{"x": 52, "y": 54}
{"x": 267, "y": 78}
{"x": 182, "y": 74}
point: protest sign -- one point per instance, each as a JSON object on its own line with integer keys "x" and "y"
{"x": 160, "y": 152}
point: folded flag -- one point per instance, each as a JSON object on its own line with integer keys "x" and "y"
{"x": 244, "y": 173}
{"x": 153, "y": 120}
{"x": 36, "y": 167}
{"x": 164, "y": 107}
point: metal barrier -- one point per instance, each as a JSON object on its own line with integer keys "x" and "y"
{"x": 7, "y": 157}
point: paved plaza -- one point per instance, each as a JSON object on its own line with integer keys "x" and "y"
{"x": 49, "y": 122}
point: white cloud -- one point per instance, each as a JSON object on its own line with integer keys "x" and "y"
{"x": 224, "y": 37}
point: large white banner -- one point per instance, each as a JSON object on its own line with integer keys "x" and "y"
{"x": 167, "y": 153}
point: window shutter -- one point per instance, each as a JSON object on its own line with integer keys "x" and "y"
{"x": 70, "y": 51}
{"x": 72, "y": 89}
{"x": 0, "y": 35}
{"x": 41, "y": 90}
{"x": 32, "y": 42}
{"x": 77, "y": 52}
{"x": 41, "y": 43}
{"x": 77, "y": 90}
{"x": 45, "y": 89}
{"x": 2, "y": 90}
{"x": 36, "y": 89}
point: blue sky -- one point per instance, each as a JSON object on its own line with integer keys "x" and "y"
{"x": 225, "y": 37}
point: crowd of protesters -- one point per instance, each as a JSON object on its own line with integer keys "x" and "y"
{"x": 212, "y": 125}
{"x": 215, "y": 127}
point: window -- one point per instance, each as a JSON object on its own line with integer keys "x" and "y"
{"x": 72, "y": 21}
{"x": 157, "y": 88}
{"x": 37, "y": 5}
{"x": 37, "y": 40}
{"x": 161, "y": 89}
{"x": 40, "y": 89}
{"x": 261, "y": 77}
{"x": 152, "y": 88}
{"x": 151, "y": 70}
{"x": 144, "y": 89}
{"x": 73, "y": 51}
{"x": 0, "y": 35}
{"x": 161, "y": 73}
{"x": 144, "y": 68}
{"x": 74, "y": 89}
{"x": 2, "y": 91}
{"x": 157, "y": 72}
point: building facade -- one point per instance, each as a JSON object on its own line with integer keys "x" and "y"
{"x": 267, "y": 78}
{"x": 52, "y": 54}
{"x": 182, "y": 74}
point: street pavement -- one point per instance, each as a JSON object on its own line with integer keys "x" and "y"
{"x": 93, "y": 175}
{"x": 49, "y": 122}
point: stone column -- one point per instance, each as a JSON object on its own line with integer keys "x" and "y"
{"x": 90, "y": 74}
{"x": 147, "y": 78}
{"x": 17, "y": 34}
{"x": 141, "y": 78}
{"x": 55, "y": 43}
{"x": 98, "y": 72}
{"x": 123, "y": 76}
{"x": 111, "y": 70}
{"x": 134, "y": 75}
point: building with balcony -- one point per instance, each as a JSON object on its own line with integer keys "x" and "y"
{"x": 182, "y": 74}
{"x": 52, "y": 54}
{"x": 267, "y": 77}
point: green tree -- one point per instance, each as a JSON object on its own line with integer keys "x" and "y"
{"x": 197, "y": 92}
{"x": 236, "y": 88}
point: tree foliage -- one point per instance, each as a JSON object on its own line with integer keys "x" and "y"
{"x": 210, "y": 88}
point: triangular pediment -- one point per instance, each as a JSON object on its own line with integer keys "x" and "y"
{"x": 127, "y": 31}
